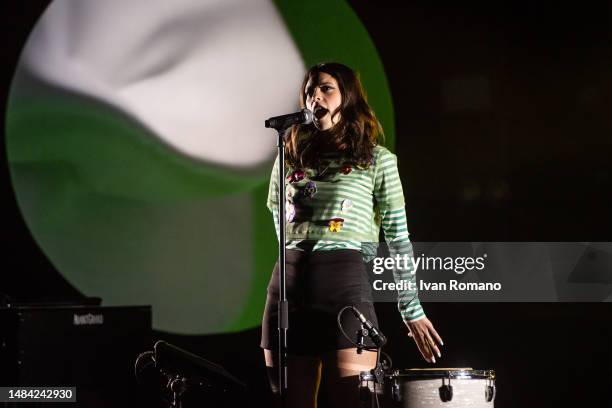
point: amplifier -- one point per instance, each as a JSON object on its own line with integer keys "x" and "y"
{"x": 72, "y": 345}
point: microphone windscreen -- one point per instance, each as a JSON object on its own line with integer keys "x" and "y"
{"x": 308, "y": 116}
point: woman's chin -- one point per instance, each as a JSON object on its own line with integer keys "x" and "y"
{"x": 322, "y": 125}
{"x": 318, "y": 125}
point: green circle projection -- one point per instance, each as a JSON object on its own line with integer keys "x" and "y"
{"x": 137, "y": 150}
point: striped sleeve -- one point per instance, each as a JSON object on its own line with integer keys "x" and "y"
{"x": 273, "y": 197}
{"x": 390, "y": 200}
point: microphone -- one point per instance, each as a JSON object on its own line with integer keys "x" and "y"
{"x": 377, "y": 337}
{"x": 282, "y": 122}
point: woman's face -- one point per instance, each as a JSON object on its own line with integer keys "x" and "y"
{"x": 323, "y": 98}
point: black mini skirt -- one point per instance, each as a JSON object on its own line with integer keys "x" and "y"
{"x": 319, "y": 284}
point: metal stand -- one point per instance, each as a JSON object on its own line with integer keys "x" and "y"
{"x": 371, "y": 384}
{"x": 178, "y": 385}
{"x": 361, "y": 335}
{"x": 283, "y": 310}
{"x": 375, "y": 377}
{"x": 281, "y": 124}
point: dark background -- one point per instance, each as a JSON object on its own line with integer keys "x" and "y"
{"x": 503, "y": 134}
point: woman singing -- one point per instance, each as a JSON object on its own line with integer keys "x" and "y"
{"x": 342, "y": 186}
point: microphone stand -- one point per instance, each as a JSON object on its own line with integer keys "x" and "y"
{"x": 283, "y": 310}
{"x": 281, "y": 124}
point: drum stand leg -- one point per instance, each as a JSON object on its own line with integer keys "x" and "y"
{"x": 178, "y": 386}
{"x": 378, "y": 374}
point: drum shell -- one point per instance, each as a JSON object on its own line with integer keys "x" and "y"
{"x": 420, "y": 390}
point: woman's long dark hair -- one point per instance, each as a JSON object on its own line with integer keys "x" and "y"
{"x": 355, "y": 134}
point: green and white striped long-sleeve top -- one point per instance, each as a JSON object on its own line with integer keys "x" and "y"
{"x": 343, "y": 206}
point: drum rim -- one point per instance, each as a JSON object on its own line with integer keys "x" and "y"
{"x": 367, "y": 376}
{"x": 457, "y": 374}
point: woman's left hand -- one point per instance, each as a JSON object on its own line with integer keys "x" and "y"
{"x": 426, "y": 338}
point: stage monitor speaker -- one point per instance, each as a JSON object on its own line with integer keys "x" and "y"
{"x": 78, "y": 345}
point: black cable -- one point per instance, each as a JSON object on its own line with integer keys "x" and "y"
{"x": 338, "y": 317}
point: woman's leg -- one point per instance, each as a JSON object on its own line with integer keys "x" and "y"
{"x": 341, "y": 370}
{"x": 304, "y": 374}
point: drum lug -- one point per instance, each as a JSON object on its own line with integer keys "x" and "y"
{"x": 364, "y": 389}
{"x": 446, "y": 391}
{"x": 364, "y": 393}
{"x": 490, "y": 391}
{"x": 395, "y": 392}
